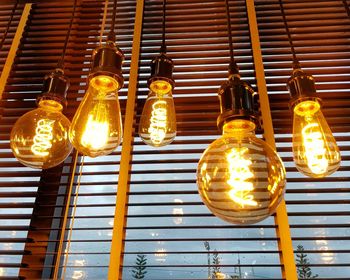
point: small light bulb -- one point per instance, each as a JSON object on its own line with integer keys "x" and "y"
{"x": 241, "y": 179}
{"x": 158, "y": 120}
{"x": 315, "y": 150}
{"x": 96, "y": 128}
{"x": 39, "y": 139}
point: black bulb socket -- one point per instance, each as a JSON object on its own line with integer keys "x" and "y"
{"x": 107, "y": 60}
{"x": 237, "y": 101}
{"x": 162, "y": 69}
{"x": 55, "y": 87}
{"x": 301, "y": 87}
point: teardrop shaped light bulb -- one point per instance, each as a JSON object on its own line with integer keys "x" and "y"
{"x": 158, "y": 120}
{"x": 96, "y": 128}
{"x": 315, "y": 150}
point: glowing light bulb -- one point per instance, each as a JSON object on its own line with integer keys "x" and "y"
{"x": 97, "y": 126}
{"x": 158, "y": 120}
{"x": 315, "y": 150}
{"x": 39, "y": 139}
{"x": 241, "y": 179}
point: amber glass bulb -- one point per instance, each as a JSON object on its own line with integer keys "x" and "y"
{"x": 96, "y": 128}
{"x": 315, "y": 150}
{"x": 39, "y": 139}
{"x": 241, "y": 179}
{"x": 158, "y": 120}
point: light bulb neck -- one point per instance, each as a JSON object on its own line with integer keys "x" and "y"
{"x": 55, "y": 88}
{"x": 107, "y": 60}
{"x": 236, "y": 102}
{"x": 301, "y": 87}
{"x": 239, "y": 128}
{"x": 162, "y": 70}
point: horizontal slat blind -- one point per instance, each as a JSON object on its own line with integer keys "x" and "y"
{"x": 167, "y": 222}
{"x": 90, "y": 220}
{"x": 317, "y": 208}
{"x": 18, "y": 185}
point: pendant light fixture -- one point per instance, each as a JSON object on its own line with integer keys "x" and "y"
{"x": 315, "y": 151}
{"x": 39, "y": 139}
{"x": 240, "y": 178}
{"x": 96, "y": 128}
{"x": 158, "y": 120}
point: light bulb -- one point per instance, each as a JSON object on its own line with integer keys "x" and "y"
{"x": 241, "y": 179}
{"x": 97, "y": 126}
{"x": 158, "y": 120}
{"x": 39, "y": 139}
{"x": 315, "y": 150}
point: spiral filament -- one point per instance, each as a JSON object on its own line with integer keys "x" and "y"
{"x": 240, "y": 174}
{"x": 315, "y": 150}
{"x": 158, "y": 126}
{"x": 43, "y": 136}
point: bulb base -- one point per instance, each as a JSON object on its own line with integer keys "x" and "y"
{"x": 107, "y": 60}
{"x": 237, "y": 100}
{"x": 55, "y": 87}
{"x": 162, "y": 69}
{"x": 301, "y": 87}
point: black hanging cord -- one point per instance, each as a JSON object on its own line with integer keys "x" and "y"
{"x": 60, "y": 63}
{"x": 8, "y": 24}
{"x": 296, "y": 63}
{"x": 163, "y": 46}
{"x": 345, "y": 2}
{"x": 233, "y": 68}
{"x": 111, "y": 34}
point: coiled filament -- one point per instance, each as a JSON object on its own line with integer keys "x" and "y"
{"x": 158, "y": 126}
{"x": 43, "y": 137}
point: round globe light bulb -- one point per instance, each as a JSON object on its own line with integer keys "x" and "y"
{"x": 240, "y": 178}
{"x": 39, "y": 139}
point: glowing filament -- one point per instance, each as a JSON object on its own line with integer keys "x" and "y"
{"x": 43, "y": 136}
{"x": 315, "y": 150}
{"x": 158, "y": 126}
{"x": 95, "y": 134}
{"x": 240, "y": 176}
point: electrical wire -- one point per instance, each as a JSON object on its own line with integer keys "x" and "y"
{"x": 8, "y": 24}
{"x": 296, "y": 63}
{"x": 111, "y": 34}
{"x": 163, "y": 46}
{"x": 346, "y": 5}
{"x": 233, "y": 68}
{"x": 103, "y": 25}
{"x": 60, "y": 63}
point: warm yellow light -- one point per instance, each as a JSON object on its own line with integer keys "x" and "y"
{"x": 158, "y": 121}
{"x": 39, "y": 139}
{"x": 240, "y": 178}
{"x": 96, "y": 127}
{"x": 160, "y": 87}
{"x": 315, "y": 151}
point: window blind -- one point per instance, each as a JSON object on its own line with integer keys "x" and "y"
{"x": 167, "y": 221}
{"x": 317, "y": 208}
